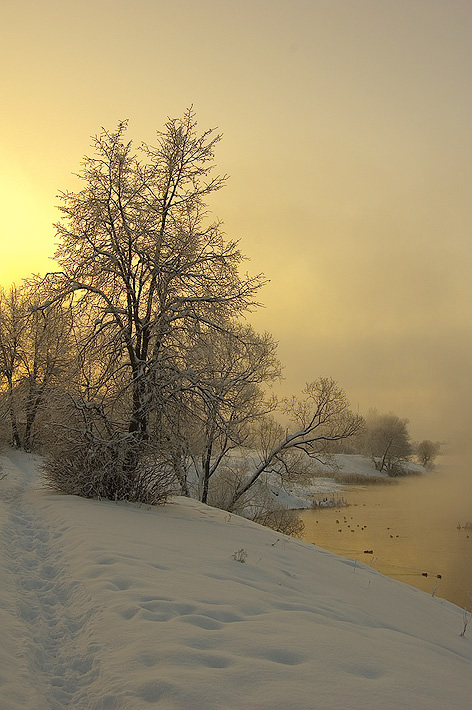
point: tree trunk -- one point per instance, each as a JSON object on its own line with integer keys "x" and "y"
{"x": 34, "y": 400}
{"x": 138, "y": 425}
{"x": 384, "y": 458}
{"x": 206, "y": 476}
{"x": 15, "y": 434}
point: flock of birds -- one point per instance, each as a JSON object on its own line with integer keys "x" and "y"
{"x": 351, "y": 527}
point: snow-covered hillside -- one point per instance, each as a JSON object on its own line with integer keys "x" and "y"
{"x": 109, "y": 606}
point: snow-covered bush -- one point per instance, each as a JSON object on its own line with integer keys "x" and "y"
{"x": 427, "y": 451}
{"x": 282, "y": 520}
{"x": 257, "y": 504}
{"x": 112, "y": 470}
{"x": 387, "y": 442}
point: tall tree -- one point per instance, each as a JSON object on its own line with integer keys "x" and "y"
{"x": 231, "y": 368}
{"x": 46, "y": 353}
{"x": 145, "y": 268}
{"x": 12, "y": 326}
{"x": 35, "y": 351}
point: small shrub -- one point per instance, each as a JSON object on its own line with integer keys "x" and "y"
{"x": 332, "y": 502}
{"x": 240, "y": 555}
{"x": 257, "y": 505}
{"x": 362, "y": 479}
{"x": 427, "y": 451}
{"x": 397, "y": 469}
{"x": 110, "y": 470}
{"x": 281, "y": 520}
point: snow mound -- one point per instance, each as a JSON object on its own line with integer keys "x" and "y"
{"x": 110, "y": 606}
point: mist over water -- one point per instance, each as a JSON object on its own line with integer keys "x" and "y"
{"x": 411, "y": 527}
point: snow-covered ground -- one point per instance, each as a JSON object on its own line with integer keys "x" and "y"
{"x": 110, "y": 606}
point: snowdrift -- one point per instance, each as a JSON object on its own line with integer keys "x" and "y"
{"x": 108, "y": 606}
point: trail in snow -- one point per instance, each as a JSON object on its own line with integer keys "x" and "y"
{"x": 107, "y": 606}
{"x": 53, "y": 633}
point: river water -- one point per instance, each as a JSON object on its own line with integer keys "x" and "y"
{"x": 411, "y": 529}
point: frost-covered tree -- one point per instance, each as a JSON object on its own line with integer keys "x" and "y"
{"x": 320, "y": 417}
{"x": 147, "y": 273}
{"x": 388, "y": 442}
{"x": 230, "y": 368}
{"x": 35, "y": 352}
{"x": 47, "y": 357}
{"x": 427, "y": 451}
{"x": 12, "y": 325}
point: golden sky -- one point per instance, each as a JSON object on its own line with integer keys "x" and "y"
{"x": 347, "y": 138}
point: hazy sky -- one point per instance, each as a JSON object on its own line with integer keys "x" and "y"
{"x": 347, "y": 138}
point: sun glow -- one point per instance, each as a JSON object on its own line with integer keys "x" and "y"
{"x": 346, "y": 135}
{"x": 27, "y": 231}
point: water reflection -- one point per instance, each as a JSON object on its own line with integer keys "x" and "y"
{"x": 408, "y": 532}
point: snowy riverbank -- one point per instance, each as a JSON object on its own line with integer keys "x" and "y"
{"x": 109, "y": 606}
{"x": 328, "y": 485}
